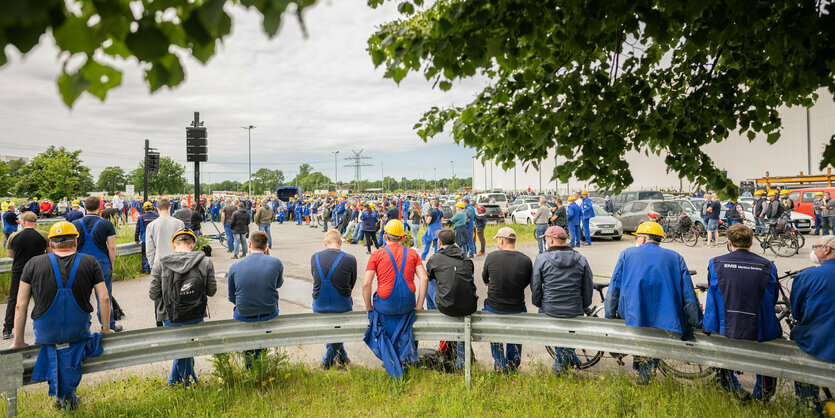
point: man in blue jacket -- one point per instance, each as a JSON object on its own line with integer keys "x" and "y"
{"x": 813, "y": 291}
{"x": 588, "y": 213}
{"x": 651, "y": 287}
{"x": 561, "y": 286}
{"x": 433, "y": 221}
{"x": 470, "y": 211}
{"x": 740, "y": 303}
{"x": 139, "y": 234}
{"x": 572, "y": 218}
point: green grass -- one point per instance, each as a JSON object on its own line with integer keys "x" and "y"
{"x": 524, "y": 233}
{"x": 282, "y": 389}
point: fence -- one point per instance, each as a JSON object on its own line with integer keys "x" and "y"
{"x": 121, "y": 250}
{"x": 781, "y": 358}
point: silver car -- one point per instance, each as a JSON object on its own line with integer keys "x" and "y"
{"x": 604, "y": 226}
{"x": 634, "y": 213}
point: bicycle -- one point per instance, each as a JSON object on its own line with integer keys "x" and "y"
{"x": 689, "y": 235}
{"x": 783, "y": 243}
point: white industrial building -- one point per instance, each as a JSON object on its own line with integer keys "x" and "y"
{"x": 805, "y": 134}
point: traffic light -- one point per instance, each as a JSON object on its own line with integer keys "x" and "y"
{"x": 197, "y": 144}
{"x": 153, "y": 162}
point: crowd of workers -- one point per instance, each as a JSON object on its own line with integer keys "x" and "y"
{"x": 650, "y": 285}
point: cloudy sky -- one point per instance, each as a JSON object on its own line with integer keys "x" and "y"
{"x": 306, "y": 97}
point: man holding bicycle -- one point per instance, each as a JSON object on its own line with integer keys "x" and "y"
{"x": 651, "y": 287}
{"x": 813, "y": 291}
{"x": 740, "y": 303}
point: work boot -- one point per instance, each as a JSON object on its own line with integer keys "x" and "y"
{"x": 118, "y": 328}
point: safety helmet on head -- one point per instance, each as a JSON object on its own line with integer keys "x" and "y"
{"x": 458, "y": 196}
{"x": 771, "y": 194}
{"x": 585, "y": 192}
{"x": 147, "y": 205}
{"x": 819, "y": 194}
{"x": 784, "y": 191}
{"x": 571, "y": 198}
{"x": 461, "y": 205}
{"x": 395, "y": 227}
{"x": 62, "y": 229}
{"x": 183, "y": 232}
{"x": 650, "y": 228}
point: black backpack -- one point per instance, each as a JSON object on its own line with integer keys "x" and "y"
{"x": 188, "y": 297}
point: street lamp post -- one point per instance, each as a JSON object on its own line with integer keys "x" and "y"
{"x": 335, "y": 175}
{"x": 249, "y": 134}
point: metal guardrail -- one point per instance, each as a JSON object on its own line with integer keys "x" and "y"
{"x": 121, "y": 250}
{"x": 781, "y": 359}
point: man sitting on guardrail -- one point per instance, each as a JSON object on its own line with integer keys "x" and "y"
{"x": 651, "y": 287}
{"x": 740, "y": 303}
{"x": 506, "y": 273}
{"x": 332, "y": 291}
{"x": 451, "y": 289}
{"x": 812, "y": 296}
{"x": 181, "y": 283}
{"x": 392, "y": 313}
{"x": 561, "y": 286}
{"x": 61, "y": 284}
{"x": 253, "y": 286}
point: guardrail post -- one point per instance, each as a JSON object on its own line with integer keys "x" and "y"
{"x": 468, "y": 349}
{"x": 11, "y": 403}
{"x": 11, "y": 378}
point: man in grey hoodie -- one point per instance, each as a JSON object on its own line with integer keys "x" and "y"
{"x": 180, "y": 285}
{"x": 561, "y": 286}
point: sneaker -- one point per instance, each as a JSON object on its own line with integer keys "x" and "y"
{"x": 7, "y": 335}
{"x": 234, "y": 257}
{"x": 118, "y": 328}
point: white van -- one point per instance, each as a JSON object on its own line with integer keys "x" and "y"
{"x": 501, "y": 199}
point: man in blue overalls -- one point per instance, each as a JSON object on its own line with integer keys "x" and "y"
{"x": 98, "y": 238}
{"x": 813, "y": 291}
{"x": 651, "y": 287}
{"x": 588, "y": 213}
{"x": 332, "y": 291}
{"x": 470, "y": 210}
{"x": 572, "y": 218}
{"x": 62, "y": 283}
{"x": 253, "y": 286}
{"x": 392, "y": 313}
{"x": 139, "y": 235}
{"x": 740, "y": 303}
{"x": 433, "y": 222}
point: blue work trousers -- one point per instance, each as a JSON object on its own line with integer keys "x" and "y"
{"x": 764, "y": 387}
{"x": 470, "y": 241}
{"x": 230, "y": 240}
{"x": 335, "y": 353}
{"x": 574, "y": 231}
{"x": 240, "y": 241}
{"x": 266, "y": 229}
{"x": 586, "y": 231}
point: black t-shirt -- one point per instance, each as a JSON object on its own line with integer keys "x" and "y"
{"x": 103, "y": 230}
{"x": 344, "y": 277}
{"x": 434, "y": 214}
{"x": 507, "y": 274}
{"x": 26, "y": 244}
{"x": 392, "y": 213}
{"x": 38, "y": 273}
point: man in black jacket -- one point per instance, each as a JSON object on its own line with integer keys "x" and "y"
{"x": 240, "y": 229}
{"x": 451, "y": 287}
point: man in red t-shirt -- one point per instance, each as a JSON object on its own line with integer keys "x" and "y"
{"x": 392, "y": 312}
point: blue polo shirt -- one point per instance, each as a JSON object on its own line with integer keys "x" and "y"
{"x": 254, "y": 282}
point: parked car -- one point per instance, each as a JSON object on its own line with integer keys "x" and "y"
{"x": 501, "y": 199}
{"x": 447, "y": 214}
{"x": 695, "y": 213}
{"x": 524, "y": 213}
{"x": 633, "y": 213}
{"x": 494, "y": 213}
{"x": 604, "y": 226}
{"x": 803, "y": 199}
{"x": 625, "y": 197}
{"x": 804, "y": 223}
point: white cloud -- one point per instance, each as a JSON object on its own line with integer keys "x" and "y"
{"x": 307, "y": 97}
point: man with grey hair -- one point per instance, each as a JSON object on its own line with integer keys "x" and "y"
{"x": 609, "y": 206}
{"x": 813, "y": 291}
{"x": 540, "y": 219}
{"x": 263, "y": 218}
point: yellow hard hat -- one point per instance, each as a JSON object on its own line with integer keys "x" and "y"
{"x": 771, "y": 194}
{"x": 585, "y": 192}
{"x": 650, "y": 228}
{"x": 819, "y": 194}
{"x": 395, "y": 227}
{"x": 784, "y": 191}
{"x": 184, "y": 231}
{"x": 147, "y": 205}
{"x": 62, "y": 229}
{"x": 460, "y": 205}
{"x": 458, "y": 196}
{"x": 829, "y": 408}
{"x": 571, "y": 198}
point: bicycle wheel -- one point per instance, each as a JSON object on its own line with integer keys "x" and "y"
{"x": 690, "y": 237}
{"x": 784, "y": 245}
{"x": 669, "y": 235}
{"x": 685, "y": 370}
{"x": 801, "y": 240}
{"x": 588, "y": 358}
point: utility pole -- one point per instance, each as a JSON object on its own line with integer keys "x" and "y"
{"x": 335, "y": 176}
{"x": 196, "y": 151}
{"x": 249, "y": 133}
{"x": 435, "y": 186}
{"x": 357, "y": 165}
{"x": 382, "y": 178}
{"x": 145, "y": 183}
